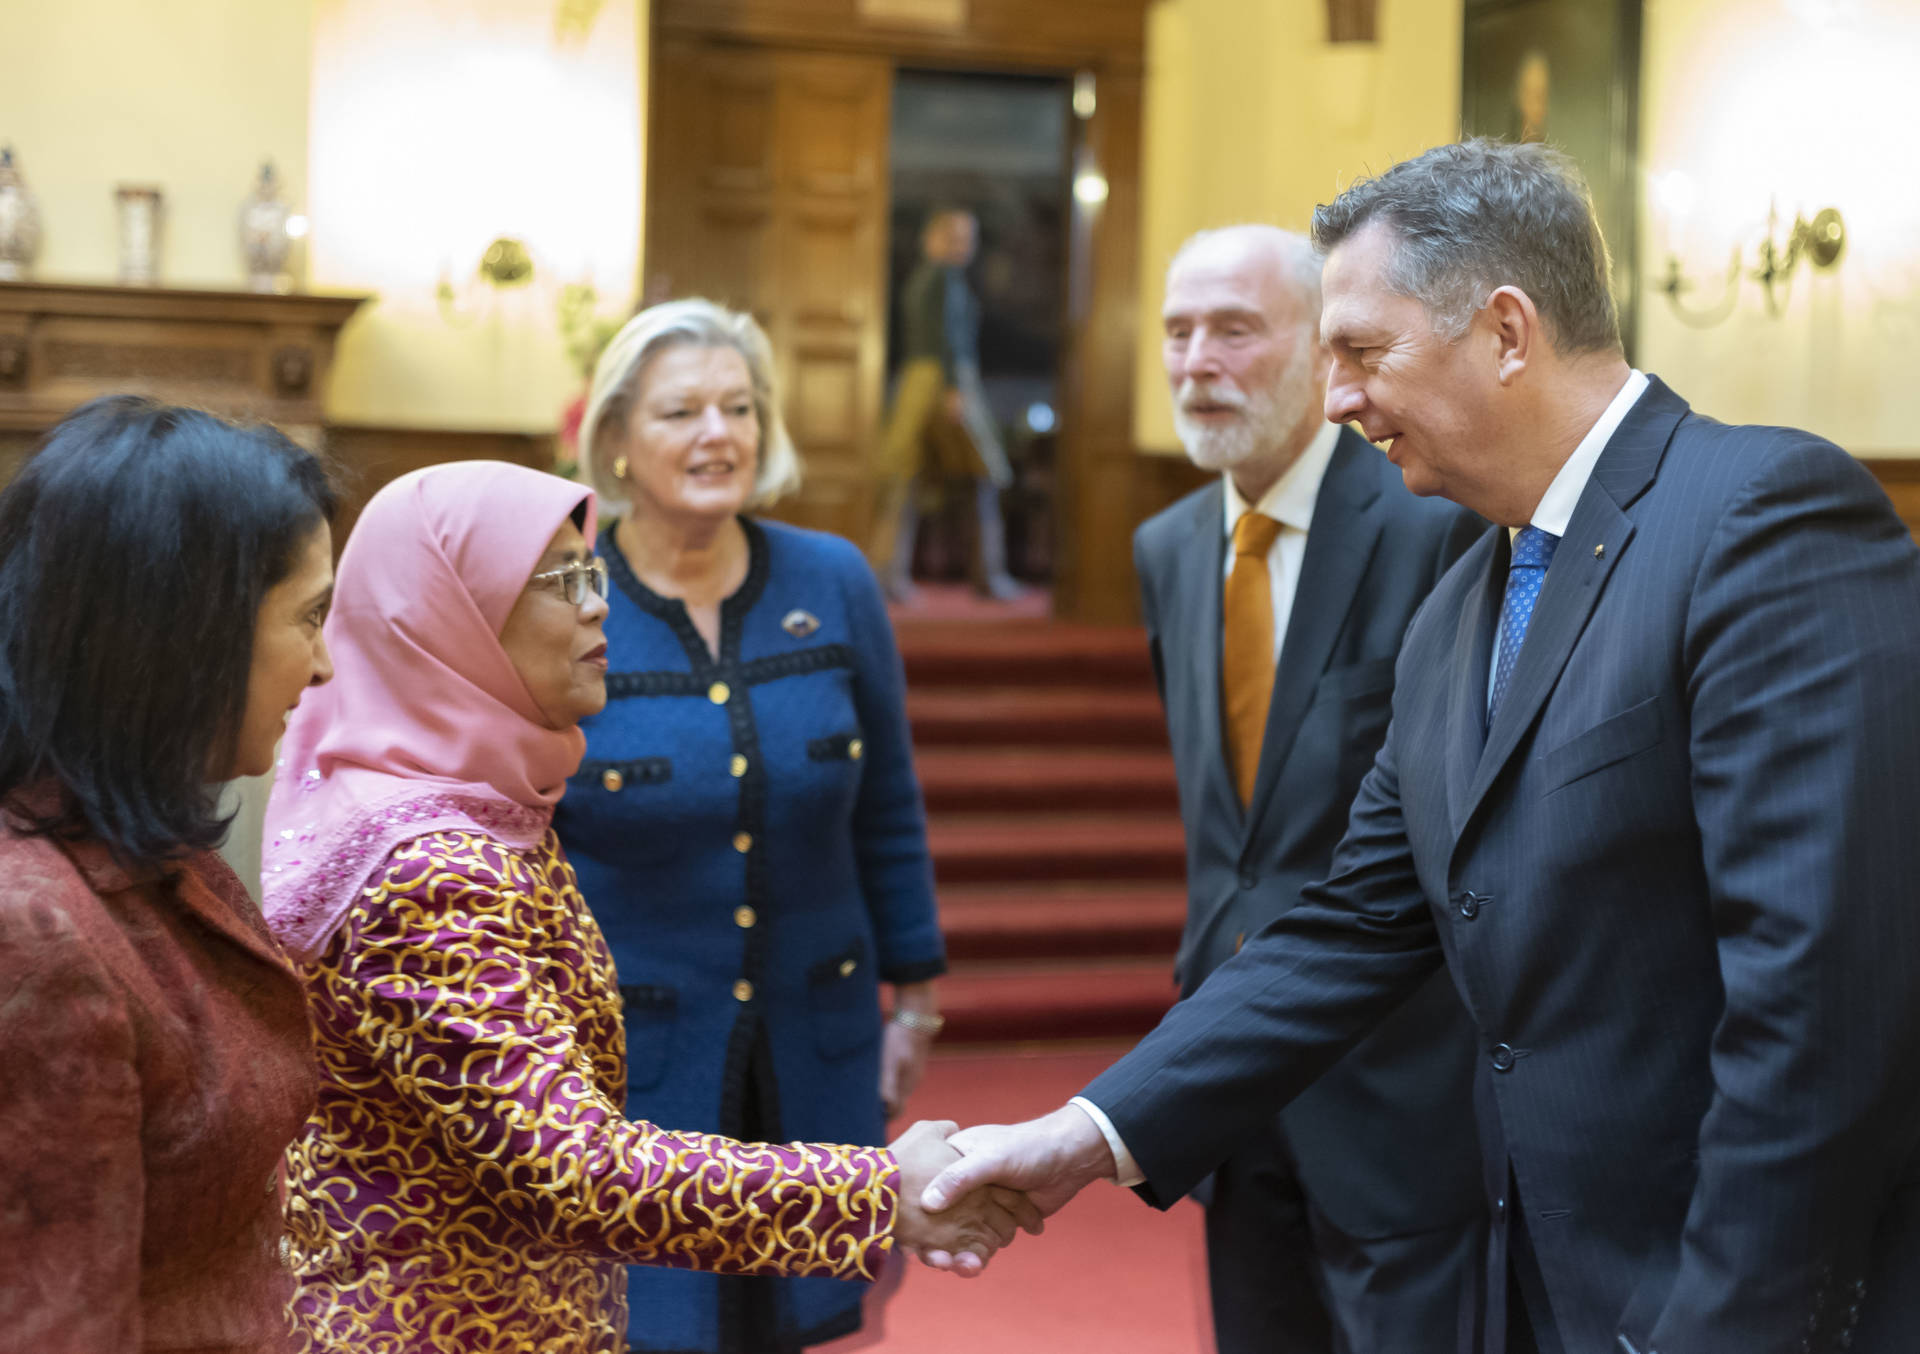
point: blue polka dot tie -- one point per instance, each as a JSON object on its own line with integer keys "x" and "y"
{"x": 1532, "y": 553}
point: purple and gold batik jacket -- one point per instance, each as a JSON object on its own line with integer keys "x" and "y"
{"x": 467, "y": 1182}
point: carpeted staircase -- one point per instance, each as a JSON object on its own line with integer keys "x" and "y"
{"x": 1054, "y": 825}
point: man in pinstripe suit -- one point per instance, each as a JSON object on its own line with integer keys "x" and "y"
{"x": 1649, "y": 793}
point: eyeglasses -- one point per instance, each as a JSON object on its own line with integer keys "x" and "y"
{"x": 577, "y": 579}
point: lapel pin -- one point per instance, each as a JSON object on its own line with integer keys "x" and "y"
{"x": 800, "y": 623}
{"x": 1599, "y": 552}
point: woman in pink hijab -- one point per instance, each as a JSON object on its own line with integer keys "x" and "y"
{"x": 467, "y": 1182}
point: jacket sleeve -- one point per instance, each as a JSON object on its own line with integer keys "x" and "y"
{"x": 889, "y": 818}
{"x": 1149, "y": 611}
{"x": 1269, "y": 1021}
{"x": 436, "y": 980}
{"x": 72, "y": 1182}
{"x": 1802, "y": 661}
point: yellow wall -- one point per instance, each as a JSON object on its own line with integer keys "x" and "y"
{"x": 439, "y": 125}
{"x": 405, "y": 179}
{"x": 188, "y": 94}
{"x": 1253, "y": 116}
{"x": 1809, "y": 100}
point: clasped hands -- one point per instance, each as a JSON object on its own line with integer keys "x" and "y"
{"x": 965, "y": 1192}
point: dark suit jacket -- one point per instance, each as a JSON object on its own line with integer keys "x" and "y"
{"x": 1674, "y": 884}
{"x": 1386, "y": 1144}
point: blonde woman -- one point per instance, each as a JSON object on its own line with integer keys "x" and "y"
{"x": 746, "y": 825}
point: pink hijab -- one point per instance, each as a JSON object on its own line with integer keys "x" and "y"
{"x": 426, "y": 725}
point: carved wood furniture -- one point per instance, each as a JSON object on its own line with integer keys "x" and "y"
{"x": 239, "y": 354}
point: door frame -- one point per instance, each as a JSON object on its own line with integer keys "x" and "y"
{"x": 1098, "y": 479}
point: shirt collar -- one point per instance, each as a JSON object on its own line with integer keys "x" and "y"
{"x": 1556, "y": 507}
{"x": 1291, "y": 498}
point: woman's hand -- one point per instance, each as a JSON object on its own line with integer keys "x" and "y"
{"x": 964, "y": 1236}
{"x": 903, "y": 1051}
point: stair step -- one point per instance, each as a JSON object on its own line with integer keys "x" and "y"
{"x": 1117, "y": 998}
{"x": 1006, "y": 779}
{"x": 1075, "y": 921}
{"x": 1054, "y": 716}
{"x": 1043, "y": 653}
{"x": 972, "y": 848}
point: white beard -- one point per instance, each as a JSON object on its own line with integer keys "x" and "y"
{"x": 1268, "y": 420}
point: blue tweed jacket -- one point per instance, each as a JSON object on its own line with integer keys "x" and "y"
{"x": 750, "y": 835}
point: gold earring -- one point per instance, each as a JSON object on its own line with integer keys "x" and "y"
{"x": 619, "y": 467}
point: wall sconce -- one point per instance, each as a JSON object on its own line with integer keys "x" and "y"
{"x": 1819, "y": 242}
{"x": 506, "y": 264}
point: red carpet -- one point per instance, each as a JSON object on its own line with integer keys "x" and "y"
{"x": 1111, "y": 1275}
{"x": 1054, "y": 822}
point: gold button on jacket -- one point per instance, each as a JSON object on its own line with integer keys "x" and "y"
{"x": 743, "y": 990}
{"x": 744, "y": 917}
{"x": 743, "y": 842}
{"x": 612, "y": 779}
{"x": 719, "y": 692}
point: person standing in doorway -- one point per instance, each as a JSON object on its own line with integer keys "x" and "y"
{"x": 1274, "y": 600}
{"x": 940, "y": 422}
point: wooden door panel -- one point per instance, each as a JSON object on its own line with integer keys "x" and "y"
{"x": 827, "y": 267}
{"x": 772, "y": 199}
{"x": 739, "y": 128}
{"x": 734, "y": 262}
{"x": 824, "y": 401}
{"x": 827, "y": 143}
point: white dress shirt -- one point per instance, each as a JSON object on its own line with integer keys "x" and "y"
{"x": 1290, "y": 503}
{"x": 1554, "y": 512}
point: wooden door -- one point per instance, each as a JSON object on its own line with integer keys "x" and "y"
{"x": 768, "y": 192}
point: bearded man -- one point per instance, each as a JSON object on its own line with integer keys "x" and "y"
{"x": 1275, "y": 601}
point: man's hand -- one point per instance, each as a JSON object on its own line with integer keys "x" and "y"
{"x": 1051, "y": 1159}
{"x": 962, "y": 1239}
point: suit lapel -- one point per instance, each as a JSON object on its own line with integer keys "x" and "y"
{"x": 1345, "y": 529}
{"x": 1597, "y": 539}
{"x": 1486, "y": 562}
{"x": 1200, "y": 587}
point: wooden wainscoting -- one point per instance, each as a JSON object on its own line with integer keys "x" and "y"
{"x": 1900, "y": 477}
{"x": 365, "y": 458}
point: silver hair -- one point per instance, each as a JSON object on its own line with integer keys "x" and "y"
{"x": 1294, "y": 251}
{"x": 616, "y": 381}
{"x": 1478, "y": 215}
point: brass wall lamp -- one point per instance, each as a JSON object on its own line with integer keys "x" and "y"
{"x": 507, "y": 263}
{"x": 1819, "y": 242}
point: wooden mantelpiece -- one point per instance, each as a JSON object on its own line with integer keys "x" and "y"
{"x": 243, "y": 354}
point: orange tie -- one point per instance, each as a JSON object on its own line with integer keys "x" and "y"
{"x": 1246, "y": 649}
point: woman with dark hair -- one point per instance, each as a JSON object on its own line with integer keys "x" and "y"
{"x": 163, "y": 580}
{"x": 468, "y": 1184}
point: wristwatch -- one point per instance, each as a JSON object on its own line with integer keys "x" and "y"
{"x": 920, "y": 1022}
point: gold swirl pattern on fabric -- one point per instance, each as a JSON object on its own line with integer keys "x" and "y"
{"x": 468, "y": 1183}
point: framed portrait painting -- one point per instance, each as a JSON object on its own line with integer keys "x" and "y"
{"x": 1566, "y": 72}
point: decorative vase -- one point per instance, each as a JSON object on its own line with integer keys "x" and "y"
{"x": 140, "y": 207}
{"x": 19, "y": 222}
{"x": 264, "y": 241}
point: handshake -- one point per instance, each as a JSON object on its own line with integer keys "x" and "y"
{"x": 965, "y": 1192}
